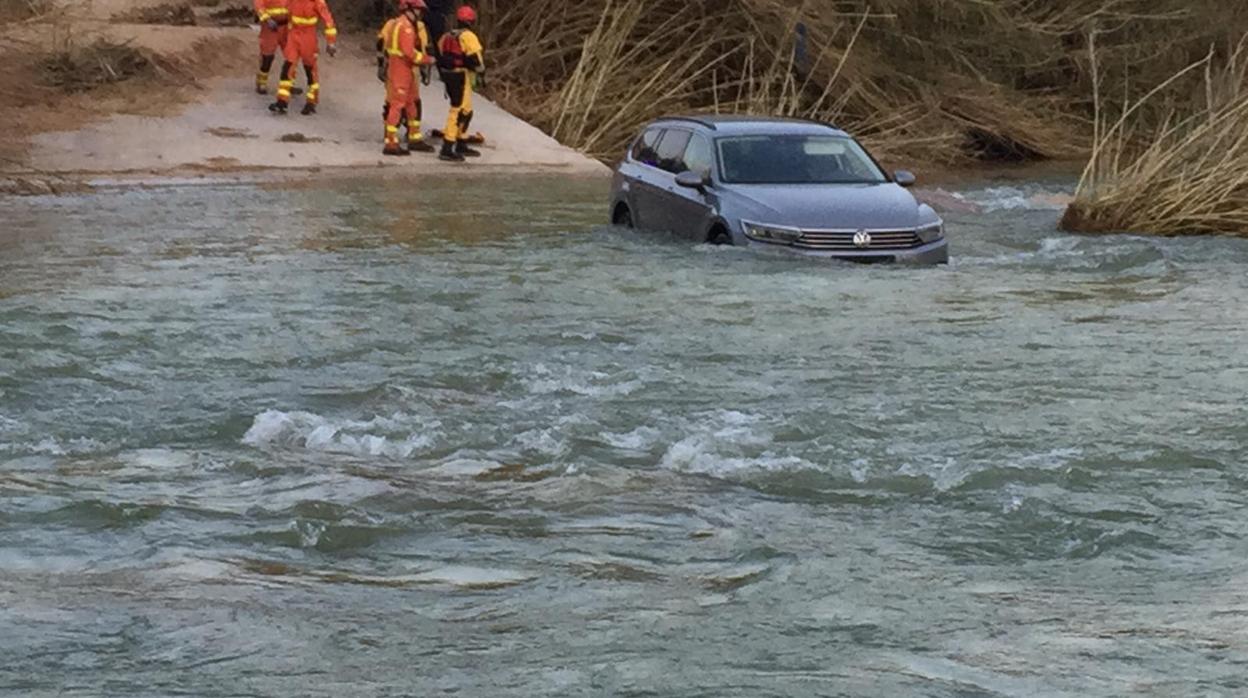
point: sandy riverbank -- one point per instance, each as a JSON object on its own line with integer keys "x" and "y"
{"x": 212, "y": 123}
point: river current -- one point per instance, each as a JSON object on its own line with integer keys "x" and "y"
{"x": 381, "y": 439}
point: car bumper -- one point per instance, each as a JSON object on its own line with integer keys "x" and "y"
{"x": 932, "y": 253}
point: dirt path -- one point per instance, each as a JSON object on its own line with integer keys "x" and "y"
{"x": 226, "y": 127}
{"x": 231, "y": 128}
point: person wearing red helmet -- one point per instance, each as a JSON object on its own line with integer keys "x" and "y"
{"x": 461, "y": 61}
{"x": 404, "y": 42}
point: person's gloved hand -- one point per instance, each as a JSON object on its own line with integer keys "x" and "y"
{"x": 481, "y": 80}
{"x": 271, "y": 24}
{"x": 426, "y": 75}
{"x": 332, "y": 50}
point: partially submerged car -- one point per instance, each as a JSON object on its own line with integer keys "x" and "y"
{"x": 779, "y": 183}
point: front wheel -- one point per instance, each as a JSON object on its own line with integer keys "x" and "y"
{"x": 622, "y": 217}
{"x": 719, "y": 236}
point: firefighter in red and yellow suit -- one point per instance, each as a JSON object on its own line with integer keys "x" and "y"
{"x": 301, "y": 47}
{"x": 461, "y": 61}
{"x": 274, "y": 17}
{"x": 403, "y": 43}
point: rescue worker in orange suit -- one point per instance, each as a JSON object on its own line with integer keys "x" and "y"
{"x": 302, "y": 47}
{"x": 404, "y": 41}
{"x": 461, "y": 62}
{"x": 274, "y": 17}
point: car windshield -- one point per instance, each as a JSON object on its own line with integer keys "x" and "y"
{"x": 795, "y": 159}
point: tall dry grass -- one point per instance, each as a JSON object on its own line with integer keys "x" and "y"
{"x": 1186, "y": 175}
{"x": 936, "y": 80}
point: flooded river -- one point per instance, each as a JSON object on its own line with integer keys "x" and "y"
{"x": 347, "y": 440}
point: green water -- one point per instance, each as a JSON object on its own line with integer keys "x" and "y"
{"x": 351, "y": 440}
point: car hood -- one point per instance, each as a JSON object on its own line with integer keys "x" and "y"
{"x": 826, "y": 206}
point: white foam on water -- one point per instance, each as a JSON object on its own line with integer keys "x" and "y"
{"x": 699, "y": 455}
{"x": 467, "y": 577}
{"x": 464, "y": 467}
{"x": 158, "y": 459}
{"x": 544, "y": 381}
{"x": 730, "y": 443}
{"x": 1017, "y": 199}
{"x": 639, "y": 439}
{"x": 51, "y": 446}
{"x": 390, "y": 437}
{"x": 545, "y": 441}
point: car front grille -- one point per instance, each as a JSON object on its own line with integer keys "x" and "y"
{"x": 843, "y": 240}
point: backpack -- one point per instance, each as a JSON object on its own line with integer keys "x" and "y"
{"x": 450, "y": 52}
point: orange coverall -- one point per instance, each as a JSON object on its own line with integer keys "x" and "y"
{"x": 301, "y": 46}
{"x": 404, "y": 45}
{"x": 271, "y": 38}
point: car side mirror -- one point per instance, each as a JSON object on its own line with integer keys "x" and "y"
{"x": 692, "y": 180}
{"x": 904, "y": 178}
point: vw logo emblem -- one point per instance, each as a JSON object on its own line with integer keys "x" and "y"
{"x": 862, "y": 239}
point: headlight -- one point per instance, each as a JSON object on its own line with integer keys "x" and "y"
{"x": 771, "y": 233}
{"x": 931, "y": 233}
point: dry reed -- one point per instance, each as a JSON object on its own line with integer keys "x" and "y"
{"x": 1186, "y": 175}
{"x": 936, "y": 80}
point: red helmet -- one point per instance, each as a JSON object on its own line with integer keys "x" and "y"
{"x": 405, "y": 5}
{"x": 467, "y": 15}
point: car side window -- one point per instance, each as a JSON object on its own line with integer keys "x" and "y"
{"x": 671, "y": 151}
{"x": 644, "y": 148}
{"x": 699, "y": 157}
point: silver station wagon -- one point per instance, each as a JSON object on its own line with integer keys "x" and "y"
{"x": 776, "y": 183}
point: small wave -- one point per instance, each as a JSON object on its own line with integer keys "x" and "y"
{"x": 52, "y": 446}
{"x": 460, "y": 577}
{"x": 639, "y": 439}
{"x": 316, "y": 433}
{"x": 97, "y": 514}
{"x": 544, "y": 381}
{"x": 731, "y": 443}
{"x": 1017, "y": 199}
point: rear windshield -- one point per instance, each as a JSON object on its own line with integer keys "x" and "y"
{"x": 796, "y": 159}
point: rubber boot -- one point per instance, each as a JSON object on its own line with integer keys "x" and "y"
{"x": 308, "y": 109}
{"x": 278, "y": 107}
{"x": 420, "y": 146}
{"x": 449, "y": 153}
{"x": 462, "y": 149}
{"x": 394, "y": 150}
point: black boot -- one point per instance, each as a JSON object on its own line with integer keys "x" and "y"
{"x": 462, "y": 149}
{"x": 308, "y": 109}
{"x": 278, "y": 107}
{"x": 449, "y": 153}
{"x": 420, "y": 146}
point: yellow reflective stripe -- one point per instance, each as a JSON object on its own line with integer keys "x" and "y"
{"x": 305, "y": 21}
{"x": 393, "y": 48}
{"x": 392, "y": 129}
{"x": 278, "y": 11}
{"x": 331, "y": 33}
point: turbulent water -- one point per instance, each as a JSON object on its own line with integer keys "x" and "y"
{"x": 382, "y": 439}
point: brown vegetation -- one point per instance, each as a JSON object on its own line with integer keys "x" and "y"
{"x": 171, "y": 14}
{"x": 942, "y": 81}
{"x": 61, "y": 72}
{"x": 1187, "y": 174}
{"x": 20, "y": 10}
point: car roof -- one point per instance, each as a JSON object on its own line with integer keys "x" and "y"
{"x": 745, "y": 125}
